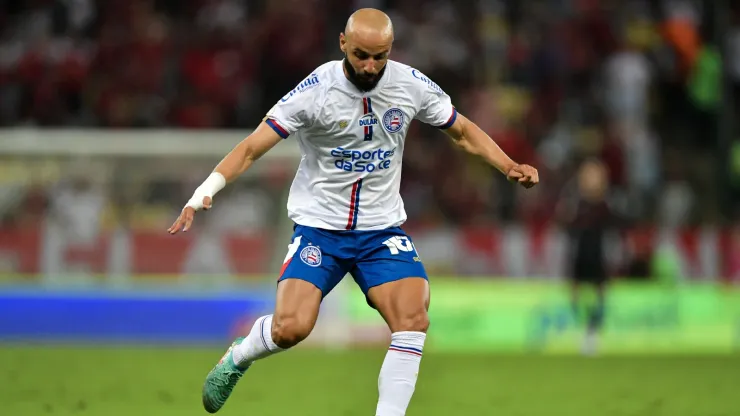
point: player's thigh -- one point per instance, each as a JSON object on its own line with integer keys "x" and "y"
{"x": 402, "y": 303}
{"x": 308, "y": 274}
{"x": 588, "y": 272}
{"x": 393, "y": 278}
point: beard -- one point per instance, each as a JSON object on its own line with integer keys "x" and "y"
{"x": 364, "y": 82}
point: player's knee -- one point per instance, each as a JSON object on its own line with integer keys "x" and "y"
{"x": 288, "y": 331}
{"x": 416, "y": 321}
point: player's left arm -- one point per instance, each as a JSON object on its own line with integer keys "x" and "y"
{"x": 436, "y": 109}
{"x": 474, "y": 140}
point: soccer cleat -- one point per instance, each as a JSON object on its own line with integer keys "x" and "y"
{"x": 221, "y": 380}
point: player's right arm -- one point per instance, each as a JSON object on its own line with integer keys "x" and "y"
{"x": 236, "y": 162}
{"x": 293, "y": 112}
{"x": 247, "y": 152}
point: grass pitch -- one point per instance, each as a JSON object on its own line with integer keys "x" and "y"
{"x": 66, "y": 380}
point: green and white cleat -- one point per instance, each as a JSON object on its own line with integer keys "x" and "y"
{"x": 221, "y": 380}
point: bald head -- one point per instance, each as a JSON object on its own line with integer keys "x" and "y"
{"x": 370, "y": 23}
{"x": 366, "y": 43}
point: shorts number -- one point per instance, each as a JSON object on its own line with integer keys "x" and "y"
{"x": 399, "y": 244}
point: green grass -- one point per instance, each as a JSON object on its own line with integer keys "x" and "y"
{"x": 66, "y": 380}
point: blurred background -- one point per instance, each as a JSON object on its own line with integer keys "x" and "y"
{"x": 113, "y": 111}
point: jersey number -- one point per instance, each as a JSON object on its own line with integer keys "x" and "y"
{"x": 399, "y": 244}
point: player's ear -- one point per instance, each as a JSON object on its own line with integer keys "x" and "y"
{"x": 343, "y": 42}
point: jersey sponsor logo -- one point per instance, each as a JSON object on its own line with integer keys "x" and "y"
{"x": 311, "y": 255}
{"x": 369, "y": 120}
{"x": 421, "y": 77}
{"x": 310, "y": 82}
{"x": 393, "y": 120}
{"x": 350, "y": 160}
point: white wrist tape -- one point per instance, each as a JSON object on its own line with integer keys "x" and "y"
{"x": 214, "y": 183}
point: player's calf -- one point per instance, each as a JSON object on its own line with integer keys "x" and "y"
{"x": 296, "y": 310}
{"x": 403, "y": 304}
{"x": 257, "y": 345}
{"x": 288, "y": 329}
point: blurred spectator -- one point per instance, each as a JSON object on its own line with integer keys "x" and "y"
{"x": 77, "y": 207}
{"x": 551, "y": 81}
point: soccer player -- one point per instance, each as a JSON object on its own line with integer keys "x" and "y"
{"x": 350, "y": 119}
{"x": 589, "y": 219}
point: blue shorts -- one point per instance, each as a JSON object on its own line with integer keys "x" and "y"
{"x": 324, "y": 257}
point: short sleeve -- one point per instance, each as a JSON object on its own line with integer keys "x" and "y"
{"x": 436, "y": 107}
{"x": 297, "y": 109}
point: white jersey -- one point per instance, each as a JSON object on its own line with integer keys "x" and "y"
{"x": 352, "y": 143}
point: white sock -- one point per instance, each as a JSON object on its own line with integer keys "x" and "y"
{"x": 257, "y": 345}
{"x": 399, "y": 372}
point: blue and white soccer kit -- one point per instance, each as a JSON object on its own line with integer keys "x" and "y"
{"x": 345, "y": 199}
{"x": 324, "y": 257}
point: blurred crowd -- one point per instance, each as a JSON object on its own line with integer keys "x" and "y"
{"x": 634, "y": 83}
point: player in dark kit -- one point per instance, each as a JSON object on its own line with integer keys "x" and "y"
{"x": 588, "y": 218}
